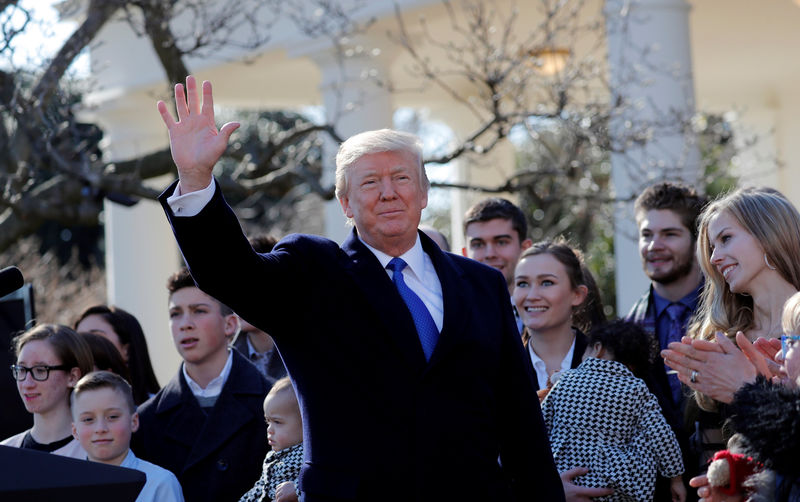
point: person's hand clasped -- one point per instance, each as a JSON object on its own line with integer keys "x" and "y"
{"x": 716, "y": 369}
{"x": 575, "y": 493}
{"x": 195, "y": 142}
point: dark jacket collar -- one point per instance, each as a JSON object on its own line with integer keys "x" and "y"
{"x": 239, "y": 381}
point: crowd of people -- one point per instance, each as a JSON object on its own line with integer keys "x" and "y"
{"x": 388, "y": 368}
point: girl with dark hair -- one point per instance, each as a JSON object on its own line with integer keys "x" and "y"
{"x": 602, "y": 415}
{"x": 105, "y": 354}
{"x": 125, "y": 332}
{"x": 557, "y": 299}
{"x": 50, "y": 361}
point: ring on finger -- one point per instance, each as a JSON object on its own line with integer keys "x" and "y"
{"x": 693, "y": 376}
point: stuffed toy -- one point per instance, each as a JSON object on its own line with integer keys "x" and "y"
{"x": 728, "y": 471}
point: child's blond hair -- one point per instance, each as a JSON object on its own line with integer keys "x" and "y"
{"x": 791, "y": 315}
{"x": 282, "y": 385}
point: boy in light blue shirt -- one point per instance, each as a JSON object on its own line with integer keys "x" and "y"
{"x": 103, "y": 419}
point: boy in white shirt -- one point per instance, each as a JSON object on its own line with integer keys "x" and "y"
{"x": 103, "y": 419}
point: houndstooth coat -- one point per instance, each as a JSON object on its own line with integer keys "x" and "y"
{"x": 280, "y": 466}
{"x": 601, "y": 417}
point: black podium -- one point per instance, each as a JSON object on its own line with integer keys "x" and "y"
{"x": 16, "y": 313}
{"x": 27, "y": 475}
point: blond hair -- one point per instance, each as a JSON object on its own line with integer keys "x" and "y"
{"x": 775, "y": 223}
{"x": 790, "y": 320}
{"x": 283, "y": 385}
{"x": 379, "y": 141}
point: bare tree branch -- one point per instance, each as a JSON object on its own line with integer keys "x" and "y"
{"x": 97, "y": 14}
{"x": 157, "y": 14}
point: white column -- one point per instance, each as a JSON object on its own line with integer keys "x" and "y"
{"x": 353, "y": 103}
{"x": 650, "y": 68}
{"x": 140, "y": 248}
{"x": 787, "y": 130}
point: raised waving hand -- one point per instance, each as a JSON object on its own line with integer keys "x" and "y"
{"x": 194, "y": 140}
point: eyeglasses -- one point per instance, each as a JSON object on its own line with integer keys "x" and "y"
{"x": 788, "y": 342}
{"x": 39, "y": 373}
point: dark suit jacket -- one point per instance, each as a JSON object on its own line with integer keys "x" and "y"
{"x": 380, "y": 422}
{"x": 216, "y": 457}
{"x": 275, "y": 367}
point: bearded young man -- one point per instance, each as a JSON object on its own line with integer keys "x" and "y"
{"x": 666, "y": 215}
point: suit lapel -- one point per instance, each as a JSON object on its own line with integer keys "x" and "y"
{"x": 366, "y": 271}
{"x": 187, "y": 420}
{"x": 451, "y": 279}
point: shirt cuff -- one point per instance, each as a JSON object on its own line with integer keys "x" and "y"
{"x": 192, "y": 203}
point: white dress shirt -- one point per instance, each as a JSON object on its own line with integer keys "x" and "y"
{"x": 541, "y": 367}
{"x": 192, "y": 203}
{"x": 214, "y": 387}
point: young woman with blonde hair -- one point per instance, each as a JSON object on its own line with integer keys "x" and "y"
{"x": 749, "y": 250}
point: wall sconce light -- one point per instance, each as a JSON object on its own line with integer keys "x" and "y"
{"x": 549, "y": 61}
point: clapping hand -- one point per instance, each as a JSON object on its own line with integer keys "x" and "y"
{"x": 716, "y": 369}
{"x": 765, "y": 354}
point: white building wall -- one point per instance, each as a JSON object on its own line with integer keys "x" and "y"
{"x": 650, "y": 63}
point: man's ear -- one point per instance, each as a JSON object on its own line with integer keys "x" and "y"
{"x": 75, "y": 432}
{"x": 526, "y": 244}
{"x": 345, "y": 202}
{"x": 231, "y": 325}
{"x": 134, "y": 422}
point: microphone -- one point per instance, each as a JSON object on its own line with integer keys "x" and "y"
{"x": 10, "y": 280}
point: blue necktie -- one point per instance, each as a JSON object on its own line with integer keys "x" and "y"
{"x": 677, "y": 313}
{"x": 426, "y": 327}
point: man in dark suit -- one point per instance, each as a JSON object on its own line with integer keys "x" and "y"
{"x": 411, "y": 377}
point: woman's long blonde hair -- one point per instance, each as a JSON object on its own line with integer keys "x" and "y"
{"x": 775, "y": 223}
